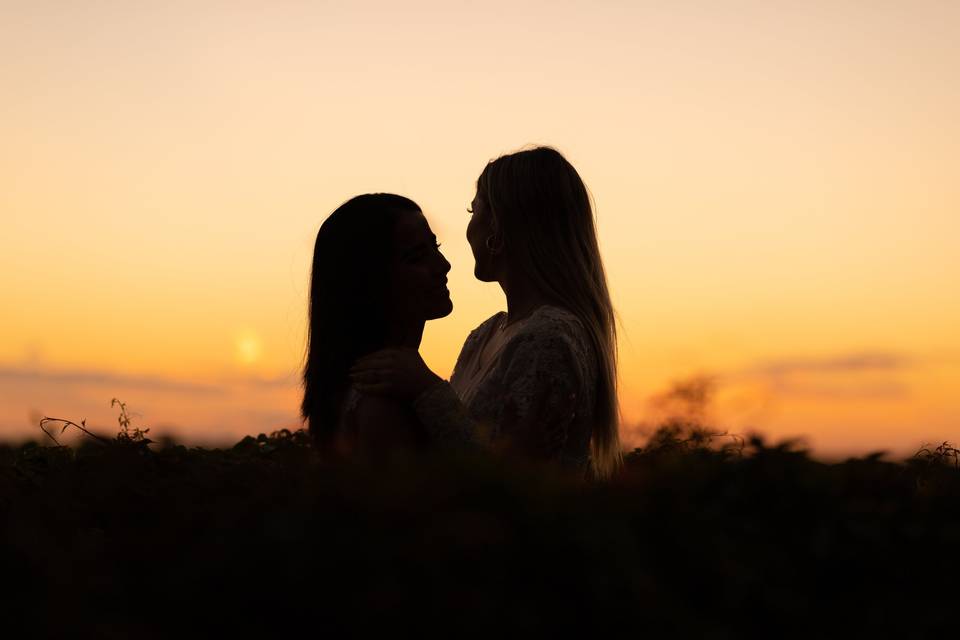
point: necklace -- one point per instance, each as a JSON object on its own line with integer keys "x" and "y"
{"x": 501, "y": 327}
{"x": 485, "y": 347}
{"x": 507, "y": 322}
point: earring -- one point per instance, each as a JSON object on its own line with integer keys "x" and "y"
{"x": 489, "y": 245}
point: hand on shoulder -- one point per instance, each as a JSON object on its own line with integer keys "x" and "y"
{"x": 396, "y": 373}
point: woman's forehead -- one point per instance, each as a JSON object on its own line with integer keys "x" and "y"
{"x": 412, "y": 229}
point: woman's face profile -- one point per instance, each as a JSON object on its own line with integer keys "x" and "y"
{"x": 418, "y": 283}
{"x": 479, "y": 231}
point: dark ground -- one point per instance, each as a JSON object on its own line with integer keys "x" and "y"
{"x": 126, "y": 540}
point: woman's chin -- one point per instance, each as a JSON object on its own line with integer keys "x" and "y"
{"x": 482, "y": 275}
{"x": 442, "y": 309}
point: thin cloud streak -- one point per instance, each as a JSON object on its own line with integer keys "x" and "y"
{"x": 102, "y": 378}
{"x": 862, "y": 376}
{"x": 211, "y": 412}
{"x": 24, "y": 374}
{"x": 884, "y": 390}
{"x": 851, "y": 363}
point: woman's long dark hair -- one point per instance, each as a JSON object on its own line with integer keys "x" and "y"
{"x": 348, "y": 286}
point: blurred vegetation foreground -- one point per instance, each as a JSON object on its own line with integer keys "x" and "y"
{"x": 124, "y": 538}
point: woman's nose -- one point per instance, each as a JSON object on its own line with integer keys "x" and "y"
{"x": 442, "y": 264}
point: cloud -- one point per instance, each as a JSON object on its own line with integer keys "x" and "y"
{"x": 865, "y": 362}
{"x": 102, "y": 378}
{"x": 33, "y": 374}
{"x": 881, "y": 390}
{"x": 286, "y": 381}
{"x": 870, "y": 375}
{"x": 220, "y": 409}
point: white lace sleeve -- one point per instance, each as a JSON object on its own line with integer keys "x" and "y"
{"x": 542, "y": 380}
{"x": 446, "y": 419}
{"x": 540, "y": 392}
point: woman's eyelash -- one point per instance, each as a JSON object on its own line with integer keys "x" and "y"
{"x": 469, "y": 210}
{"x": 419, "y": 254}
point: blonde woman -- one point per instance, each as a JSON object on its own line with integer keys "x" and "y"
{"x": 539, "y": 378}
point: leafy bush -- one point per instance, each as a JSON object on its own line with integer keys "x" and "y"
{"x": 699, "y": 536}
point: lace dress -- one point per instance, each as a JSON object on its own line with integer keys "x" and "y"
{"x": 534, "y": 389}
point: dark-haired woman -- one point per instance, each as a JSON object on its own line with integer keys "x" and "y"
{"x": 539, "y": 379}
{"x": 377, "y": 277}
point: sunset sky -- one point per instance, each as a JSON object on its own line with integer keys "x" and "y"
{"x": 777, "y": 191}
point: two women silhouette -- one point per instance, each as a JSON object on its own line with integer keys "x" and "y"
{"x": 538, "y": 380}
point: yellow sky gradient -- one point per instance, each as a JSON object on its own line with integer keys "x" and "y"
{"x": 777, "y": 189}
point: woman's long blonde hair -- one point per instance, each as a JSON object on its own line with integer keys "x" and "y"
{"x": 543, "y": 213}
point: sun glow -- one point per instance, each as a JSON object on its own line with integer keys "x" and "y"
{"x": 249, "y": 347}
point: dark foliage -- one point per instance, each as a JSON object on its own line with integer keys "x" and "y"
{"x": 693, "y": 539}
